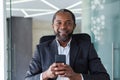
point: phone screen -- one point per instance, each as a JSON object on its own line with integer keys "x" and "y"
{"x": 60, "y": 59}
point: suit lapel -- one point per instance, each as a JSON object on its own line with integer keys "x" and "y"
{"x": 73, "y": 51}
{"x": 53, "y": 50}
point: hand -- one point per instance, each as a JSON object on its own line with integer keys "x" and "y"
{"x": 50, "y": 73}
{"x": 66, "y": 71}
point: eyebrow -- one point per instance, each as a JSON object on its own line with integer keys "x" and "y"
{"x": 66, "y": 20}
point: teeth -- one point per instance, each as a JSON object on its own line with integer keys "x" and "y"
{"x": 62, "y": 31}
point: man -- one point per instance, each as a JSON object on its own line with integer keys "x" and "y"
{"x": 82, "y": 61}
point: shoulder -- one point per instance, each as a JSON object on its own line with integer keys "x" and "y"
{"x": 46, "y": 43}
{"x": 82, "y": 38}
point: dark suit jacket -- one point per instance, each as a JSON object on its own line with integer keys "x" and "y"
{"x": 83, "y": 59}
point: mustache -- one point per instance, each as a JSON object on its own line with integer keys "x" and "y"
{"x": 63, "y": 31}
{"x": 64, "y": 39}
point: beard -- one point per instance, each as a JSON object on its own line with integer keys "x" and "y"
{"x": 65, "y": 36}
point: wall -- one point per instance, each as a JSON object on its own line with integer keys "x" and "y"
{"x": 40, "y": 28}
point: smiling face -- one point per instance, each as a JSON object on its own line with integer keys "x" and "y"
{"x": 63, "y": 26}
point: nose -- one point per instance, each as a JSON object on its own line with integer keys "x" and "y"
{"x": 63, "y": 26}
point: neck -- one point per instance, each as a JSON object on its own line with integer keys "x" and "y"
{"x": 63, "y": 43}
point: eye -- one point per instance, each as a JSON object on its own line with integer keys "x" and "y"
{"x": 69, "y": 23}
{"x": 58, "y": 23}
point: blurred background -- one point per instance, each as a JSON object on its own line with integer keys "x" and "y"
{"x": 26, "y": 21}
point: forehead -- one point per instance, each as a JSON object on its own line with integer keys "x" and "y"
{"x": 63, "y": 16}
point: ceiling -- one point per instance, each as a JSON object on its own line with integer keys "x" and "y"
{"x": 42, "y": 9}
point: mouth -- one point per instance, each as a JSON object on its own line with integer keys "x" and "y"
{"x": 64, "y": 32}
{"x": 63, "y": 35}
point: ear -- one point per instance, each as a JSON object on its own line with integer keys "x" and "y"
{"x": 52, "y": 25}
{"x": 74, "y": 26}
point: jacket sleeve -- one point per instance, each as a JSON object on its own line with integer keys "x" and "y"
{"x": 35, "y": 68}
{"x": 96, "y": 68}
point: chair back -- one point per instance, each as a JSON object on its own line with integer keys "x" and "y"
{"x": 81, "y": 36}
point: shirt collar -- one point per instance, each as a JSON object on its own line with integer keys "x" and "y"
{"x": 68, "y": 44}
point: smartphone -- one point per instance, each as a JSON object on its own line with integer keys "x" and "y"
{"x": 60, "y": 59}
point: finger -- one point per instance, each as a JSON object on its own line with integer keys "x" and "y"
{"x": 66, "y": 75}
{"x": 54, "y": 65}
{"x": 60, "y": 72}
{"x": 59, "y": 69}
{"x": 67, "y": 67}
{"x": 59, "y": 64}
